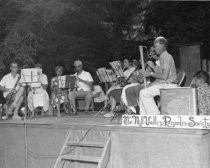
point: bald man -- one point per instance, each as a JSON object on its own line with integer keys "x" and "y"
{"x": 165, "y": 78}
{"x": 84, "y": 87}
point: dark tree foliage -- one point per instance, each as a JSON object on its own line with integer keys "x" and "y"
{"x": 180, "y": 23}
{"x": 59, "y": 31}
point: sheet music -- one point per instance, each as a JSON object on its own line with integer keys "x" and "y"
{"x": 61, "y": 81}
{"x": 30, "y": 75}
{"x": 66, "y": 81}
{"x": 99, "y": 76}
{"x": 105, "y": 75}
{"x": 116, "y": 65}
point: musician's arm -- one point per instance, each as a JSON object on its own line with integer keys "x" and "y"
{"x": 2, "y": 85}
{"x": 157, "y": 69}
{"x": 3, "y": 89}
{"x": 88, "y": 80}
{"x": 90, "y": 83}
{"x": 164, "y": 71}
{"x": 163, "y": 75}
{"x": 154, "y": 67}
{"x": 51, "y": 84}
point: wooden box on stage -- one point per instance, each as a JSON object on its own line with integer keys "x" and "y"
{"x": 178, "y": 101}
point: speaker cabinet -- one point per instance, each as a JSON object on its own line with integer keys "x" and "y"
{"x": 178, "y": 101}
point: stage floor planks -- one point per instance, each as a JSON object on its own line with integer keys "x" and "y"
{"x": 81, "y": 119}
{"x": 46, "y": 136}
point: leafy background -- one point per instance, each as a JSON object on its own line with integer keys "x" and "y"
{"x": 96, "y": 31}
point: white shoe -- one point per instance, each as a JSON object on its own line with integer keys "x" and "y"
{"x": 4, "y": 117}
{"x": 108, "y": 115}
{"x": 16, "y": 117}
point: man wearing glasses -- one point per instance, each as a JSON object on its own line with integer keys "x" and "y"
{"x": 7, "y": 85}
{"x": 84, "y": 82}
{"x": 165, "y": 78}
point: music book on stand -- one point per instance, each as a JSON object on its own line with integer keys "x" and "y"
{"x": 30, "y": 75}
{"x": 67, "y": 82}
{"x": 116, "y": 65}
{"x": 105, "y": 75}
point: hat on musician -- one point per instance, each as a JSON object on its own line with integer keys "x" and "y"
{"x": 77, "y": 63}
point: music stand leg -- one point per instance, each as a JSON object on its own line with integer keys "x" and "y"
{"x": 26, "y": 101}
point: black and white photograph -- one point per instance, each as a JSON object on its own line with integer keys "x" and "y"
{"x": 104, "y": 84}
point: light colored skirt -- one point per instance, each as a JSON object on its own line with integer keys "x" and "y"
{"x": 38, "y": 98}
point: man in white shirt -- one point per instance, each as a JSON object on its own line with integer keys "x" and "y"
{"x": 164, "y": 79}
{"x": 84, "y": 86}
{"x": 7, "y": 86}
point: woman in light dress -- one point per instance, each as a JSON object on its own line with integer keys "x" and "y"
{"x": 38, "y": 96}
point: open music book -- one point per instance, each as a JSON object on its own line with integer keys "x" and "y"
{"x": 116, "y": 65}
{"x": 30, "y": 75}
{"x": 105, "y": 75}
{"x": 67, "y": 81}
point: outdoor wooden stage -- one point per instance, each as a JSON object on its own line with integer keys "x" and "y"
{"x": 131, "y": 147}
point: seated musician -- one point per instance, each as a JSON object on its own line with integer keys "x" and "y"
{"x": 84, "y": 87}
{"x": 58, "y": 96}
{"x": 114, "y": 93}
{"x": 9, "y": 85}
{"x": 164, "y": 78}
{"x": 38, "y": 96}
{"x": 203, "y": 88}
{"x": 98, "y": 93}
{"x": 130, "y": 93}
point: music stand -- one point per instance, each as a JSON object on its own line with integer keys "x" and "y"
{"x": 116, "y": 66}
{"x": 105, "y": 76}
{"x": 67, "y": 82}
{"x": 29, "y": 76}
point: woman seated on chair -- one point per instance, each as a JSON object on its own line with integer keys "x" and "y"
{"x": 58, "y": 96}
{"x": 130, "y": 93}
{"x": 37, "y": 96}
{"x": 114, "y": 93}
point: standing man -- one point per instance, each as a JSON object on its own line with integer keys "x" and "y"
{"x": 84, "y": 86}
{"x": 7, "y": 86}
{"x": 165, "y": 78}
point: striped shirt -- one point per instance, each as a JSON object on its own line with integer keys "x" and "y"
{"x": 167, "y": 62}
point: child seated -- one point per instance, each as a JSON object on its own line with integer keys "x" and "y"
{"x": 202, "y": 83}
